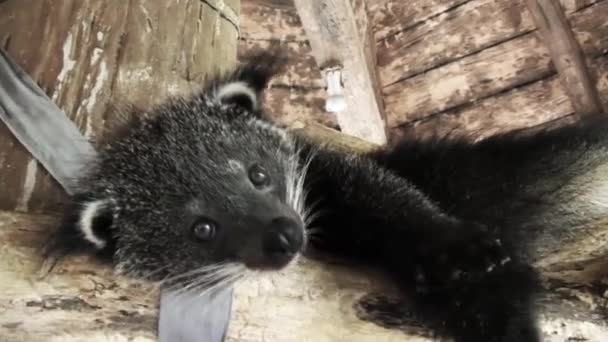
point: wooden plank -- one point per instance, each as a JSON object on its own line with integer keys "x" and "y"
{"x": 278, "y": 4}
{"x": 287, "y": 105}
{"x": 489, "y": 72}
{"x": 301, "y": 70}
{"x": 393, "y": 16}
{"x": 524, "y": 107}
{"x": 599, "y": 71}
{"x": 298, "y": 92}
{"x": 492, "y": 70}
{"x": 451, "y": 36}
{"x": 83, "y": 53}
{"x": 566, "y": 55}
{"x": 337, "y": 30}
{"x": 448, "y": 36}
{"x": 270, "y": 20}
{"x": 321, "y": 134}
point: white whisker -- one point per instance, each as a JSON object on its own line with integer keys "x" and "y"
{"x": 295, "y": 183}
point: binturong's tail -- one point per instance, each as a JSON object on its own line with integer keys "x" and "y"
{"x": 547, "y": 194}
{"x": 545, "y": 190}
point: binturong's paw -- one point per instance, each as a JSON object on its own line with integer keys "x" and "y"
{"x": 467, "y": 252}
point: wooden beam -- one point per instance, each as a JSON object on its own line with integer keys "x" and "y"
{"x": 566, "y": 54}
{"x": 320, "y": 134}
{"x": 82, "y": 300}
{"x": 340, "y": 34}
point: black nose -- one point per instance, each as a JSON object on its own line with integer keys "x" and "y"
{"x": 284, "y": 238}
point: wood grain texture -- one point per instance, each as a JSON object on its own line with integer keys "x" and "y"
{"x": 463, "y": 29}
{"x": 313, "y": 300}
{"x": 599, "y": 70}
{"x": 537, "y": 104}
{"x": 490, "y": 71}
{"x": 264, "y": 20}
{"x": 478, "y": 76}
{"x": 449, "y": 36}
{"x": 298, "y": 93}
{"x": 392, "y": 17}
{"x": 520, "y": 108}
{"x": 337, "y": 31}
{"x": 566, "y": 55}
{"x": 84, "y": 53}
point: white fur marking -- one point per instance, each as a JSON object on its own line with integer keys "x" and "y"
{"x": 273, "y": 128}
{"x": 296, "y": 194}
{"x": 86, "y": 223}
{"x": 237, "y": 88}
{"x": 235, "y": 165}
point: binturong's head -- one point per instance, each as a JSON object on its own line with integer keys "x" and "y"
{"x": 199, "y": 192}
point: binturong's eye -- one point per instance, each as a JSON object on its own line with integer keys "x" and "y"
{"x": 258, "y": 176}
{"x": 204, "y": 229}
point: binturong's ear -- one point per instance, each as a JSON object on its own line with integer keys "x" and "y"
{"x": 86, "y": 225}
{"x": 243, "y": 87}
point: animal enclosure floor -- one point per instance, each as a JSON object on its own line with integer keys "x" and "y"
{"x": 81, "y": 300}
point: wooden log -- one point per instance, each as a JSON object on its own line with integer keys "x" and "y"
{"x": 493, "y": 70}
{"x": 566, "y": 55}
{"x": 85, "y": 52}
{"x": 313, "y": 300}
{"x": 337, "y": 30}
{"x": 323, "y": 135}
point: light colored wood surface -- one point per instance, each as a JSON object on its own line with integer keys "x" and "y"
{"x": 311, "y": 301}
{"x": 339, "y": 34}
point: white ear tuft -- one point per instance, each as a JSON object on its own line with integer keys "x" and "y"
{"x": 86, "y": 223}
{"x": 237, "y": 93}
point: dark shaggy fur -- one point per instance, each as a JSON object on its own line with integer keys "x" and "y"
{"x": 455, "y": 224}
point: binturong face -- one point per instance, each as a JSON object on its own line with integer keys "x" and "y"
{"x": 200, "y": 192}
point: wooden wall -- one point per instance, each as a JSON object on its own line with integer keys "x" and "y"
{"x": 481, "y": 66}
{"x": 92, "y": 57}
{"x": 460, "y": 67}
{"x": 298, "y": 94}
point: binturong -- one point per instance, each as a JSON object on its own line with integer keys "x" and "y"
{"x": 206, "y": 188}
